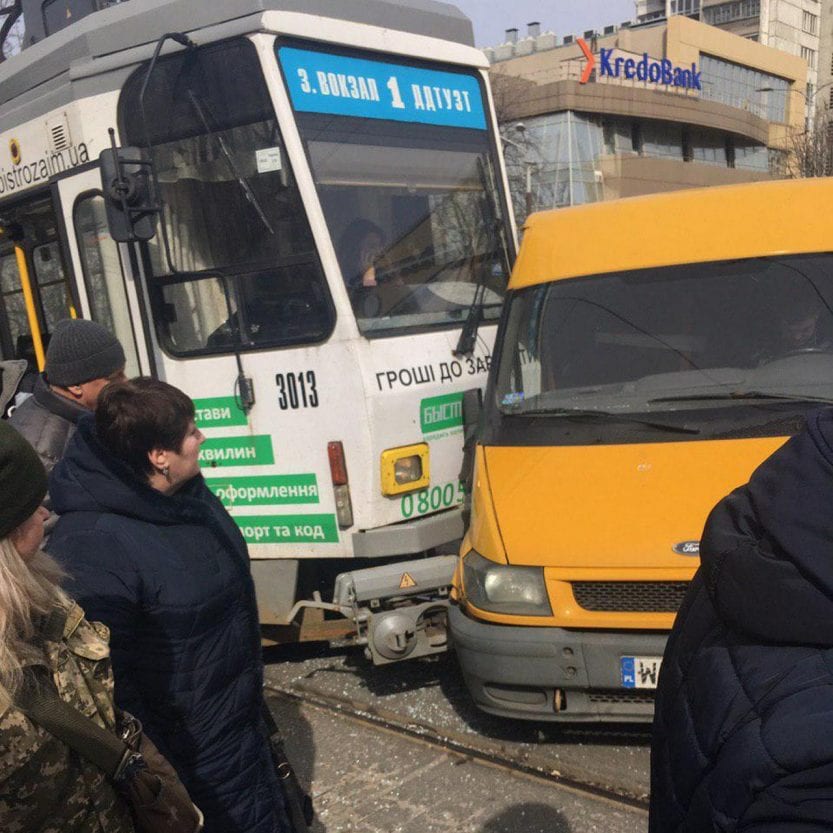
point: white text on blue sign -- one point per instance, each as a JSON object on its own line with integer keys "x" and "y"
{"x": 320, "y": 82}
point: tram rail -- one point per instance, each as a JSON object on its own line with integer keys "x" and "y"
{"x": 467, "y": 746}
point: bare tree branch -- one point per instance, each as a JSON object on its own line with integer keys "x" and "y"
{"x": 809, "y": 152}
{"x": 11, "y": 36}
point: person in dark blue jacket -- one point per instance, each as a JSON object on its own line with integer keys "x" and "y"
{"x": 154, "y": 555}
{"x": 743, "y": 727}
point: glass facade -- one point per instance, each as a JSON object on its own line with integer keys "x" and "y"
{"x": 753, "y": 158}
{"x": 557, "y": 159}
{"x": 738, "y": 86}
{"x": 708, "y": 146}
{"x": 662, "y": 140}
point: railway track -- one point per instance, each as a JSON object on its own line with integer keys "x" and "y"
{"x": 467, "y": 746}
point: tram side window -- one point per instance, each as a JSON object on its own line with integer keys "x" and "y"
{"x": 103, "y": 275}
{"x": 49, "y": 272}
{"x": 14, "y": 307}
{"x": 246, "y": 272}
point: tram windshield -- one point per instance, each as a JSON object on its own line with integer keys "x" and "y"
{"x": 402, "y": 160}
{"x": 241, "y": 271}
{"x": 706, "y": 343}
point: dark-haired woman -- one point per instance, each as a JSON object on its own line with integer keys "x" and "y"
{"x": 155, "y": 556}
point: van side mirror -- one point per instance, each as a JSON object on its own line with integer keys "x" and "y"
{"x": 129, "y": 194}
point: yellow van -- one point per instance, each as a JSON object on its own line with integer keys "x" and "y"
{"x": 652, "y": 352}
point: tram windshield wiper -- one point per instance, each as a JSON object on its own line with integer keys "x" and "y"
{"x": 495, "y": 240}
{"x": 591, "y": 413}
{"x": 199, "y": 109}
{"x": 757, "y": 395}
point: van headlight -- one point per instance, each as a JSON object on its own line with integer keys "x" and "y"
{"x": 501, "y": 588}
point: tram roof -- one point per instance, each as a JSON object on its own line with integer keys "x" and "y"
{"x": 137, "y": 23}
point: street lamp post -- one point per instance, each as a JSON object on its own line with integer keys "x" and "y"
{"x": 813, "y": 146}
{"x": 528, "y": 163}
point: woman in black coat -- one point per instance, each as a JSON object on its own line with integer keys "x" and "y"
{"x": 743, "y": 729}
{"x": 154, "y": 555}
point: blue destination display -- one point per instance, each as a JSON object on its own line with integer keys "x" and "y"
{"x": 322, "y": 83}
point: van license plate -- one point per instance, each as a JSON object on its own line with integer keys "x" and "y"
{"x": 640, "y": 672}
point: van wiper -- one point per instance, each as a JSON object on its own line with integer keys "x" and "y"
{"x": 590, "y": 413}
{"x": 495, "y": 237}
{"x": 741, "y": 395}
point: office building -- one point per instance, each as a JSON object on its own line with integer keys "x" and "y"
{"x": 639, "y": 109}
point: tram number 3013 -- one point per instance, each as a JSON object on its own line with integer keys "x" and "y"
{"x": 432, "y": 499}
{"x": 297, "y": 390}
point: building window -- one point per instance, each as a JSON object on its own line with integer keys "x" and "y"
{"x": 636, "y": 137}
{"x": 617, "y": 137}
{"x": 685, "y": 6}
{"x": 708, "y": 146}
{"x": 810, "y": 23}
{"x": 688, "y": 150}
{"x": 728, "y": 12}
{"x": 809, "y": 55}
{"x": 747, "y": 89}
{"x": 662, "y": 140}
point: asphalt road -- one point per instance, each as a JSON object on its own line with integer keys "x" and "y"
{"x": 366, "y": 777}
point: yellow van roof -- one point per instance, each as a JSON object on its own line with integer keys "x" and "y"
{"x": 690, "y": 226}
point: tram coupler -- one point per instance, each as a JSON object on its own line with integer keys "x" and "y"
{"x": 401, "y": 609}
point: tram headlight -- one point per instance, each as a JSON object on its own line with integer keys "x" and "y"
{"x": 405, "y": 469}
{"x": 503, "y": 588}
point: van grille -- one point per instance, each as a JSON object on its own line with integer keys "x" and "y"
{"x": 616, "y": 697}
{"x": 630, "y": 596}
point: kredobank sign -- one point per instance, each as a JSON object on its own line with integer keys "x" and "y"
{"x": 661, "y": 72}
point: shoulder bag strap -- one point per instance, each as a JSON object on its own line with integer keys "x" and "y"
{"x": 40, "y": 702}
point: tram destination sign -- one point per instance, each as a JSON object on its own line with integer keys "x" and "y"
{"x": 320, "y": 82}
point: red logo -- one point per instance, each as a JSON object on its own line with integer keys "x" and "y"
{"x": 591, "y": 61}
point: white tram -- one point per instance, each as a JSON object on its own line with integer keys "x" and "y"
{"x": 312, "y": 226}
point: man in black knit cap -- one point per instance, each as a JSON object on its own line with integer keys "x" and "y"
{"x": 82, "y": 358}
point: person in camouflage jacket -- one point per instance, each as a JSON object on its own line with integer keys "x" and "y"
{"x": 45, "y": 787}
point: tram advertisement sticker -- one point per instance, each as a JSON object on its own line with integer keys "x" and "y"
{"x": 439, "y": 413}
{"x": 268, "y": 490}
{"x": 218, "y": 412}
{"x": 320, "y": 82}
{"x": 288, "y": 529}
{"x": 237, "y": 451}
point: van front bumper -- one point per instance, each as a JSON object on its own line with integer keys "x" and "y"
{"x": 552, "y": 674}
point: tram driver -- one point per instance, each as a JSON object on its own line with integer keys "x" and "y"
{"x": 361, "y": 245}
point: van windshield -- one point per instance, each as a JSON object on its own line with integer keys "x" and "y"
{"x": 671, "y": 340}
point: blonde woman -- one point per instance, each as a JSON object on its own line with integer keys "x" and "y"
{"x": 45, "y": 787}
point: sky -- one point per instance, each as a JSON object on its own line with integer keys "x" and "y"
{"x": 492, "y": 18}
